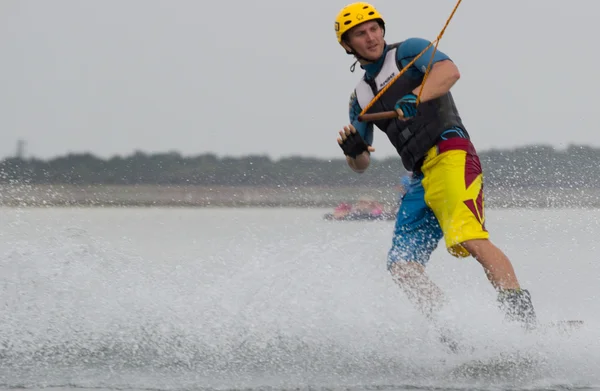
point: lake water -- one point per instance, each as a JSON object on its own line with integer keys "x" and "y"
{"x": 199, "y": 299}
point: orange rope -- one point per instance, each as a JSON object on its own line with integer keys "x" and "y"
{"x": 436, "y": 42}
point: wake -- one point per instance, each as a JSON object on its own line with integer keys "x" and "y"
{"x": 274, "y": 311}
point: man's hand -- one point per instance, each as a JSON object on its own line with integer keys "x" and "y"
{"x": 407, "y": 106}
{"x": 351, "y": 142}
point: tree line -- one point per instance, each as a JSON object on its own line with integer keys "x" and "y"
{"x": 531, "y": 166}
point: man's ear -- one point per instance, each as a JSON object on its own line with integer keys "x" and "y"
{"x": 347, "y": 47}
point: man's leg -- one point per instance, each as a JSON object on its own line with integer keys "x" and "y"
{"x": 453, "y": 185}
{"x": 407, "y": 258}
{"x": 513, "y": 300}
{"x": 416, "y": 234}
{"x": 497, "y": 266}
{"x": 426, "y": 296}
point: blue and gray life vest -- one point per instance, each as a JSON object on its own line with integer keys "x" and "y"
{"x": 412, "y": 138}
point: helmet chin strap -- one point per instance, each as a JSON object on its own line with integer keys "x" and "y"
{"x": 357, "y": 56}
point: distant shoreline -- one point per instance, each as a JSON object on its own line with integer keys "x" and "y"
{"x": 249, "y": 196}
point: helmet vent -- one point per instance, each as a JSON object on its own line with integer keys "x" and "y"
{"x": 347, "y": 22}
{"x": 348, "y": 14}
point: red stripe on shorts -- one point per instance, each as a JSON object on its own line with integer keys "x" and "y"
{"x": 472, "y": 163}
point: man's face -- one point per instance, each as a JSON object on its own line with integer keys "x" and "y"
{"x": 367, "y": 40}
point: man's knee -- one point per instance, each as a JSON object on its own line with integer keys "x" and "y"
{"x": 399, "y": 256}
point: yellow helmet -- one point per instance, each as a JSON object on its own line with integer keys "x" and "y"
{"x": 353, "y": 15}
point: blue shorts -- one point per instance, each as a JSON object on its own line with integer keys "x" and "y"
{"x": 417, "y": 231}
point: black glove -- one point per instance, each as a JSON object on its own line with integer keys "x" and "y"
{"x": 354, "y": 145}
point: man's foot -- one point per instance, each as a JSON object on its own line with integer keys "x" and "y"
{"x": 516, "y": 304}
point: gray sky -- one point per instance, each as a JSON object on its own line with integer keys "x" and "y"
{"x": 238, "y": 77}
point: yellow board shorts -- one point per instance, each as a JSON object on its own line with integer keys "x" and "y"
{"x": 444, "y": 200}
{"x": 453, "y": 184}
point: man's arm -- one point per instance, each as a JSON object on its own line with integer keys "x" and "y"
{"x": 440, "y": 79}
{"x": 361, "y": 162}
{"x": 365, "y": 130}
{"x": 443, "y": 73}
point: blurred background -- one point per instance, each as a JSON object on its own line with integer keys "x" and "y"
{"x": 233, "y": 104}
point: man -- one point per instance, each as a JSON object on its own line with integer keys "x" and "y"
{"x": 445, "y": 194}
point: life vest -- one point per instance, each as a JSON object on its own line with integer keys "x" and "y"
{"x": 412, "y": 138}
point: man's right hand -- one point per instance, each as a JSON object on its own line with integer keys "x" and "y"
{"x": 406, "y": 106}
{"x": 351, "y": 142}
